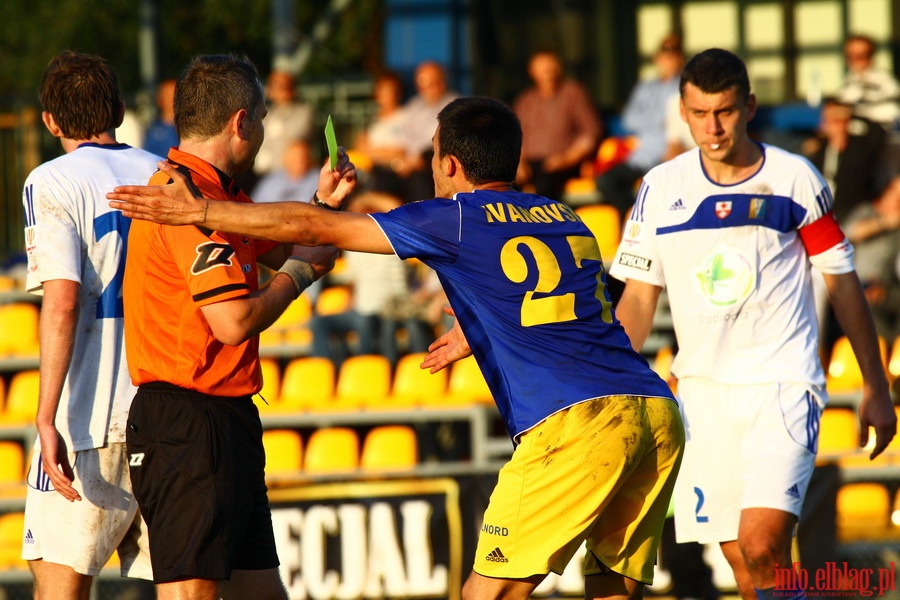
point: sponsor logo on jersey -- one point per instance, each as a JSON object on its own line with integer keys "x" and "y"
{"x": 793, "y": 491}
{"x": 29, "y": 538}
{"x": 137, "y": 459}
{"x": 637, "y": 262}
{"x": 211, "y": 255}
{"x": 678, "y": 205}
{"x": 495, "y": 530}
{"x": 723, "y": 208}
{"x": 725, "y": 277}
{"x": 496, "y": 556}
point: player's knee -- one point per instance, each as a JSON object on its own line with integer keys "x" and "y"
{"x": 763, "y": 553}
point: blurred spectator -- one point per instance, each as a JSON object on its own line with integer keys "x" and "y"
{"x": 644, "y": 116}
{"x": 288, "y": 119}
{"x": 161, "y": 134}
{"x": 874, "y": 230}
{"x": 560, "y": 127}
{"x": 382, "y": 142}
{"x": 873, "y": 93}
{"x": 297, "y": 179}
{"x": 419, "y": 120}
{"x": 678, "y": 134}
{"x": 380, "y": 305}
{"x": 851, "y": 154}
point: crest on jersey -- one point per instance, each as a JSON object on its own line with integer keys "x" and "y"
{"x": 723, "y": 208}
{"x": 757, "y": 208}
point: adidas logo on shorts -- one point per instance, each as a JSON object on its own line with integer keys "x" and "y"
{"x": 29, "y": 539}
{"x": 496, "y": 556}
{"x": 793, "y": 491}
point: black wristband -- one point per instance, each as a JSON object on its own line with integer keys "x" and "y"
{"x": 321, "y": 204}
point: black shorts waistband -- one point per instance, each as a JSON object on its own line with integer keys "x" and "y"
{"x": 165, "y": 386}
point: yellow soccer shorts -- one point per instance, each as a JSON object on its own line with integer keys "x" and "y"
{"x": 601, "y": 471}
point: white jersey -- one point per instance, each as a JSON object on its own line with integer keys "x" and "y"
{"x": 72, "y": 234}
{"x": 735, "y": 268}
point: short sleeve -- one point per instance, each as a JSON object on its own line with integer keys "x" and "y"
{"x": 637, "y": 256}
{"x": 52, "y": 241}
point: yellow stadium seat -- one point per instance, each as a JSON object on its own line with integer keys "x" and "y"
{"x": 415, "y": 386}
{"x": 844, "y": 375}
{"x": 292, "y": 327}
{"x": 22, "y": 398}
{"x": 605, "y": 223}
{"x": 580, "y": 186}
{"x": 838, "y": 432}
{"x": 284, "y": 452}
{"x": 863, "y": 511}
{"x": 334, "y": 300}
{"x": 363, "y": 380}
{"x": 19, "y": 329}
{"x": 271, "y": 374}
{"x": 895, "y": 514}
{"x": 331, "y": 450}
{"x": 307, "y": 385}
{"x": 465, "y": 386}
{"x": 12, "y": 528}
{"x": 12, "y": 462}
{"x": 894, "y": 363}
{"x": 390, "y": 448}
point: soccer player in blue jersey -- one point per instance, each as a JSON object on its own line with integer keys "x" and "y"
{"x": 598, "y": 436}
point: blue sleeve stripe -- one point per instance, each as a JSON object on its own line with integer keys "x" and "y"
{"x": 30, "y": 221}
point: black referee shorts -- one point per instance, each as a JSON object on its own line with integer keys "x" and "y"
{"x": 197, "y": 468}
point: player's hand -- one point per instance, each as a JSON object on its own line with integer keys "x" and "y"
{"x": 335, "y": 186}
{"x": 447, "y": 349}
{"x": 876, "y": 410}
{"x": 172, "y": 204}
{"x": 55, "y": 462}
{"x": 320, "y": 258}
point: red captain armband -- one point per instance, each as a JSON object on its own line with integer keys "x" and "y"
{"x": 821, "y": 235}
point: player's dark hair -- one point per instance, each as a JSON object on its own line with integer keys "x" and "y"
{"x": 211, "y": 89}
{"x": 716, "y": 70}
{"x": 484, "y": 134}
{"x": 81, "y": 91}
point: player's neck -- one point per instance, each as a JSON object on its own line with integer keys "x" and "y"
{"x": 104, "y": 138}
{"x": 740, "y": 165}
{"x": 494, "y": 186}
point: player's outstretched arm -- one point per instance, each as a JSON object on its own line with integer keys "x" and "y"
{"x": 172, "y": 204}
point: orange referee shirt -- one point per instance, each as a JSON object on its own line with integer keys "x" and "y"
{"x": 170, "y": 273}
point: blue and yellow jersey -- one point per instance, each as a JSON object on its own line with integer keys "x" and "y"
{"x": 526, "y": 280}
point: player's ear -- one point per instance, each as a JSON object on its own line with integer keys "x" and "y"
{"x": 239, "y": 122}
{"x": 751, "y": 106}
{"x": 50, "y": 124}
{"x": 451, "y": 165}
